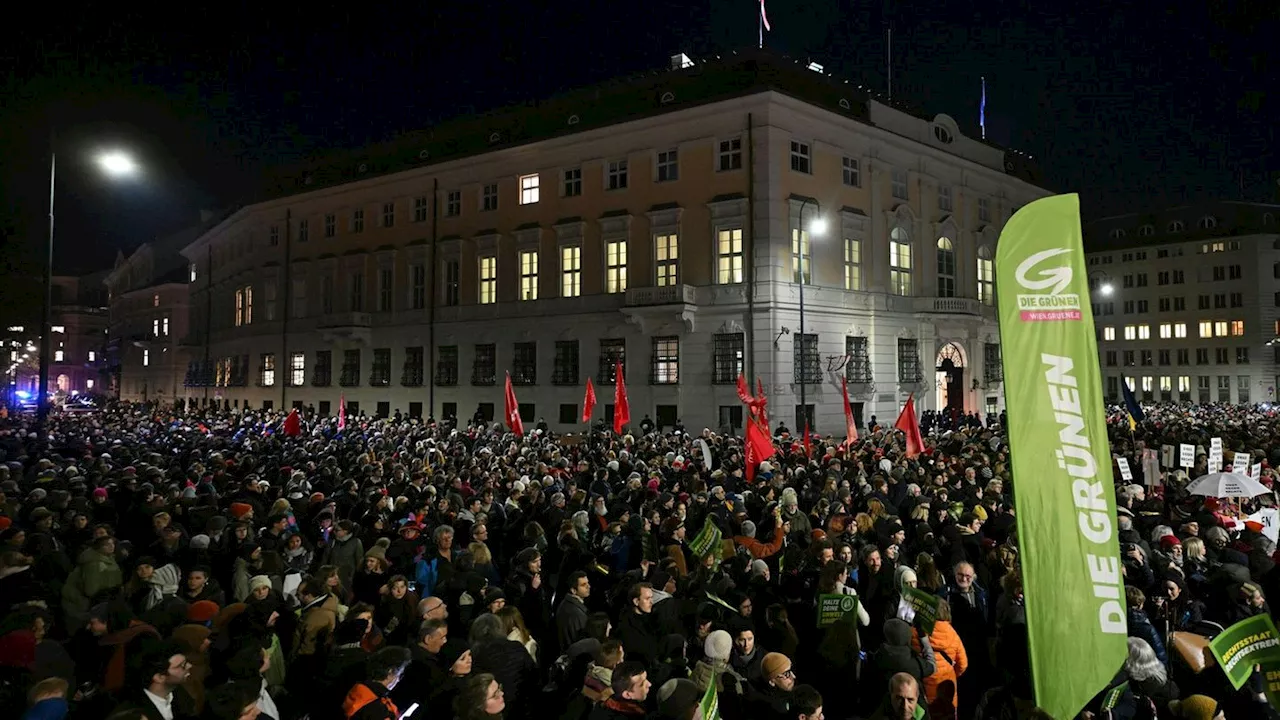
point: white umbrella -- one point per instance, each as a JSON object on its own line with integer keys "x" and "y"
{"x": 1227, "y": 485}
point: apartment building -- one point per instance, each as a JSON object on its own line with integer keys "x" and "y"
{"x": 148, "y": 315}
{"x": 78, "y": 334}
{"x": 665, "y": 222}
{"x": 1187, "y": 302}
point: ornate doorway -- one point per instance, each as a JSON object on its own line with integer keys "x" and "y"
{"x": 949, "y": 379}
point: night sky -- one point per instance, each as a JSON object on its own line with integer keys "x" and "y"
{"x": 1134, "y": 105}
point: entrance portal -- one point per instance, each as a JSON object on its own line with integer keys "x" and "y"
{"x": 949, "y": 379}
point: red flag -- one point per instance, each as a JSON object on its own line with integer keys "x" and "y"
{"x": 588, "y": 402}
{"x": 757, "y": 448}
{"x": 850, "y": 427}
{"x": 907, "y": 424}
{"x": 512, "y": 409}
{"x": 293, "y": 424}
{"x": 808, "y": 445}
{"x": 763, "y": 403}
{"x": 342, "y": 411}
{"x": 621, "y": 408}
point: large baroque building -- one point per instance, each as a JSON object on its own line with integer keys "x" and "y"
{"x": 78, "y": 335}
{"x": 1186, "y": 302}
{"x": 665, "y": 221}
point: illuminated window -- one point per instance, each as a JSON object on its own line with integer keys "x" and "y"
{"x": 146, "y": 358}
{"x": 88, "y": 384}
{"x": 239, "y": 307}
{"x": 570, "y": 271}
{"x": 852, "y": 264}
{"x": 1130, "y": 332}
{"x": 1184, "y": 383}
{"x": 667, "y": 253}
{"x": 800, "y": 259}
{"x": 987, "y": 279}
{"x": 155, "y": 300}
{"x": 155, "y": 327}
{"x": 1220, "y": 328}
{"x": 899, "y": 262}
{"x": 1144, "y": 332}
{"x": 267, "y": 374}
{"x": 192, "y": 273}
{"x": 1237, "y": 327}
{"x": 1147, "y": 383}
{"x": 1108, "y": 333}
{"x": 58, "y": 355}
{"x": 616, "y": 266}
{"x": 93, "y": 356}
{"x": 729, "y": 256}
{"x": 62, "y": 329}
{"x": 1206, "y": 328}
{"x": 1166, "y": 384}
{"x": 528, "y": 275}
{"x": 529, "y": 189}
{"x": 488, "y": 280}
{"x": 946, "y": 268}
{"x": 1180, "y": 330}
{"x": 1166, "y": 331}
{"x": 297, "y": 369}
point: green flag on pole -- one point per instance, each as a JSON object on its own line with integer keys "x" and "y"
{"x": 710, "y": 702}
{"x": 1065, "y": 497}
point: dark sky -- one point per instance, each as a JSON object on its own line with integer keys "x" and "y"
{"x": 1135, "y": 105}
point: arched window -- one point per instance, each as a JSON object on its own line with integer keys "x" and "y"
{"x": 986, "y": 277}
{"x": 1208, "y": 222}
{"x": 1176, "y": 226}
{"x": 1117, "y": 234}
{"x": 1146, "y": 231}
{"x": 899, "y": 262}
{"x": 946, "y": 268}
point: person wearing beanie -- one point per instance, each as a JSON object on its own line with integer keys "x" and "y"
{"x": 259, "y": 586}
{"x": 714, "y": 666}
{"x": 241, "y": 511}
{"x": 747, "y": 538}
{"x": 1197, "y": 707}
{"x": 202, "y": 612}
{"x": 777, "y": 683}
{"x": 678, "y": 699}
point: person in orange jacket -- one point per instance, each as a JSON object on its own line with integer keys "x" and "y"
{"x": 952, "y": 661}
{"x": 758, "y": 549}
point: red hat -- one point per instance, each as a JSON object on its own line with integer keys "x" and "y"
{"x": 239, "y": 510}
{"x": 1253, "y": 525}
{"x": 5, "y": 522}
{"x": 202, "y": 611}
{"x": 1169, "y": 541}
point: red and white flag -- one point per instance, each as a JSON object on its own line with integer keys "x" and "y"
{"x": 588, "y": 402}
{"x": 621, "y": 408}
{"x": 512, "y": 409}
{"x": 764, "y": 19}
{"x": 850, "y": 427}
{"x": 342, "y": 412}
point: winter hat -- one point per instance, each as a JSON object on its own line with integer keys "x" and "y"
{"x": 677, "y": 697}
{"x": 1195, "y": 707}
{"x": 749, "y": 529}
{"x": 789, "y": 496}
{"x": 718, "y": 645}
{"x": 5, "y": 522}
{"x": 216, "y": 524}
{"x": 202, "y": 611}
{"x": 904, "y": 575}
{"x": 1168, "y": 541}
{"x": 258, "y": 581}
{"x": 897, "y": 632}
{"x": 240, "y": 510}
{"x": 200, "y": 542}
{"x": 773, "y": 665}
{"x": 377, "y": 551}
{"x": 100, "y": 493}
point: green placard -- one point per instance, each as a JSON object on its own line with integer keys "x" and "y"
{"x": 925, "y": 605}
{"x": 1271, "y": 682}
{"x": 716, "y": 599}
{"x": 710, "y": 702}
{"x": 834, "y": 606}
{"x": 707, "y": 540}
{"x": 1112, "y": 698}
{"x": 1247, "y": 643}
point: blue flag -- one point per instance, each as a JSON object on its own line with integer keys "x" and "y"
{"x": 1131, "y": 405}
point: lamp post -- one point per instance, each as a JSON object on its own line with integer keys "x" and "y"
{"x": 817, "y": 227}
{"x": 114, "y": 164}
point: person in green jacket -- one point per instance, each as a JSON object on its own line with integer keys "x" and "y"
{"x": 96, "y": 572}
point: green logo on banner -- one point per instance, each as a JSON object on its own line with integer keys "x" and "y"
{"x": 833, "y": 607}
{"x": 1247, "y": 643}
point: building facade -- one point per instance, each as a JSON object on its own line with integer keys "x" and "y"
{"x": 148, "y": 316}
{"x": 79, "y": 335}
{"x": 1186, "y": 302}
{"x": 666, "y": 223}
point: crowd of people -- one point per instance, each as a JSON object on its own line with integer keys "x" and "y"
{"x": 175, "y": 564}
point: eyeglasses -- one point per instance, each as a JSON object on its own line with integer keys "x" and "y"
{"x": 788, "y": 673}
{"x": 965, "y": 576}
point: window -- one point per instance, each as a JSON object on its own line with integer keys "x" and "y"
{"x": 852, "y": 264}
{"x": 1184, "y": 356}
{"x": 727, "y": 357}
{"x": 800, "y": 258}
{"x": 1127, "y": 281}
{"x": 1130, "y": 332}
{"x": 665, "y": 361}
{"x": 730, "y": 155}
{"x": 273, "y": 235}
{"x": 805, "y": 360}
{"x": 944, "y": 198}
{"x": 1206, "y": 328}
{"x": 1237, "y": 299}
{"x": 1129, "y": 360}
{"x": 330, "y": 225}
{"x": 1148, "y": 231}
{"x": 1242, "y": 356}
{"x": 357, "y": 221}
{"x": 356, "y": 288}
{"x": 565, "y": 369}
{"x": 1179, "y": 276}
{"x": 1202, "y": 387}
{"x": 850, "y": 172}
{"x": 1224, "y": 388}
{"x": 350, "y": 376}
{"x": 1162, "y": 277}
{"x": 1180, "y": 330}
{"x": 524, "y": 363}
{"x": 1234, "y": 272}
{"x": 488, "y": 285}
{"x": 857, "y": 366}
{"x": 326, "y": 294}
{"x": 529, "y": 189}
{"x": 420, "y": 207}
{"x": 1179, "y": 304}
{"x": 88, "y": 383}
{"x": 1144, "y": 332}
{"x": 1208, "y": 222}
{"x": 58, "y": 355}
{"x": 908, "y": 361}
{"x": 1220, "y": 272}
{"x": 1202, "y": 356}
{"x": 384, "y": 289}
{"x": 801, "y": 161}
{"x": 729, "y": 256}
{"x": 1142, "y": 306}
{"x": 528, "y": 275}
{"x": 239, "y": 307}
{"x": 1166, "y": 331}
{"x": 489, "y": 197}
{"x": 322, "y": 375}
{"x": 946, "y": 268}
{"x": 388, "y": 214}
{"x": 267, "y": 370}
{"x": 146, "y": 357}
{"x": 668, "y": 166}
{"x": 1220, "y": 328}
{"x": 667, "y": 256}
{"x": 1242, "y": 389}
{"x": 484, "y": 369}
{"x": 1142, "y": 279}
{"x": 1163, "y": 357}
{"x": 1108, "y": 333}
{"x": 447, "y": 365}
{"x": 613, "y": 351}
{"x": 155, "y": 327}
{"x": 1220, "y": 356}
{"x": 616, "y": 175}
{"x": 1237, "y": 328}
{"x": 192, "y": 274}
{"x": 1111, "y": 358}
{"x": 899, "y": 262}
{"x": 417, "y": 286}
{"x": 1176, "y": 226}
{"x": 412, "y": 373}
{"x": 616, "y": 266}
{"x": 93, "y": 356}
{"x": 573, "y": 182}
{"x": 987, "y": 277}
{"x": 297, "y": 369}
{"x": 453, "y": 203}
{"x": 1184, "y": 385}
{"x": 898, "y": 181}
{"x": 569, "y": 414}
{"x": 452, "y": 281}
{"x": 1147, "y": 358}
{"x": 570, "y": 271}
{"x": 1165, "y": 305}
{"x": 984, "y": 210}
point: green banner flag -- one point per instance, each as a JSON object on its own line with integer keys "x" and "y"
{"x": 710, "y": 702}
{"x": 707, "y": 540}
{"x": 924, "y": 605}
{"x": 1065, "y": 499}
{"x": 1242, "y": 646}
{"x": 834, "y": 606}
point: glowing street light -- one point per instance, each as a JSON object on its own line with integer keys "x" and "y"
{"x": 117, "y": 164}
{"x": 1107, "y": 288}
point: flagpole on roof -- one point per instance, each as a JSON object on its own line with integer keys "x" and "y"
{"x": 982, "y": 109}
{"x": 889, "y": 61}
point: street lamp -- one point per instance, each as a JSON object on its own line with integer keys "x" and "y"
{"x": 1107, "y": 289}
{"x": 116, "y": 164}
{"x": 817, "y": 227}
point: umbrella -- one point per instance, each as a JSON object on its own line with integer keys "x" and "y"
{"x": 1227, "y": 485}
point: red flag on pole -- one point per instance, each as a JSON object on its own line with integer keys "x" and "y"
{"x": 808, "y": 444}
{"x": 513, "y": 410}
{"x": 907, "y": 423}
{"x": 757, "y": 448}
{"x": 293, "y": 424}
{"x": 588, "y": 402}
{"x": 621, "y": 408}
{"x": 850, "y": 427}
{"x": 342, "y": 411}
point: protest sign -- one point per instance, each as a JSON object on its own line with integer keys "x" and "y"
{"x": 707, "y": 540}
{"x": 1269, "y": 519}
{"x": 1166, "y": 456}
{"x": 925, "y": 606}
{"x": 710, "y": 704}
{"x": 1151, "y": 468}
{"x": 1245, "y": 644}
{"x": 1215, "y": 455}
{"x": 1125, "y": 472}
{"x": 1256, "y": 472}
{"x": 1186, "y": 455}
{"x": 834, "y": 606}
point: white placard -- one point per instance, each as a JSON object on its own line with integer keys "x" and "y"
{"x": 1215, "y": 455}
{"x": 1186, "y": 455}
{"x": 1125, "y": 472}
{"x": 1256, "y": 472}
{"x": 1151, "y": 467}
{"x": 1240, "y": 463}
{"x": 1166, "y": 456}
{"x": 1270, "y": 520}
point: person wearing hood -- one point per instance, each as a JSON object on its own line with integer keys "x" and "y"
{"x": 346, "y": 552}
{"x": 96, "y": 574}
{"x": 48, "y": 700}
{"x": 896, "y": 655}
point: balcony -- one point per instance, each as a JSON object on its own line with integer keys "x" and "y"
{"x": 658, "y": 310}
{"x": 346, "y": 327}
{"x": 940, "y": 306}
{"x": 669, "y": 295}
